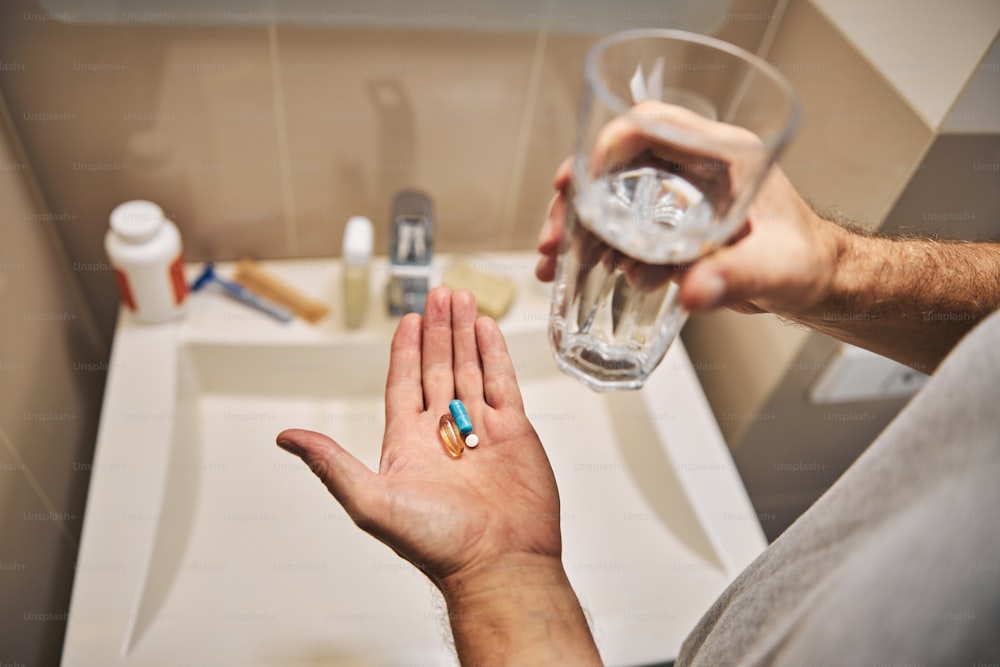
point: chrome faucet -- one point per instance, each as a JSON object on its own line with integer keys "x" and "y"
{"x": 410, "y": 250}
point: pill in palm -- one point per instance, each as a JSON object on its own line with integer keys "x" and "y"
{"x": 450, "y": 435}
{"x": 461, "y": 416}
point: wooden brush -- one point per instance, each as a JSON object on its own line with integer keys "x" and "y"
{"x": 253, "y": 276}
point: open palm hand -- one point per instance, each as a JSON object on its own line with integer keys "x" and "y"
{"x": 447, "y": 515}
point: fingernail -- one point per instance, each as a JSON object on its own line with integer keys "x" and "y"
{"x": 287, "y": 445}
{"x": 713, "y": 289}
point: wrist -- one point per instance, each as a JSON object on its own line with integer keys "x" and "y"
{"x": 519, "y": 609}
{"x": 488, "y": 588}
{"x": 495, "y": 576}
{"x": 844, "y": 256}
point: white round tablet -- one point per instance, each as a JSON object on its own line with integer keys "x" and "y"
{"x": 471, "y": 440}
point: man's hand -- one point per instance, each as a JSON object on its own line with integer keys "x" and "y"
{"x": 483, "y": 527}
{"x": 447, "y": 515}
{"x": 783, "y": 261}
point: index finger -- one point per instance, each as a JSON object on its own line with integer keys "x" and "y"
{"x": 403, "y": 386}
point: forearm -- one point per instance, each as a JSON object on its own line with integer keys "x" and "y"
{"x": 908, "y": 299}
{"x": 521, "y": 612}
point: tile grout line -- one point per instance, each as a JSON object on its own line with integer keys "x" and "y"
{"x": 762, "y": 51}
{"x": 284, "y": 151}
{"x": 508, "y": 220}
{"x": 39, "y": 491}
{"x": 771, "y": 29}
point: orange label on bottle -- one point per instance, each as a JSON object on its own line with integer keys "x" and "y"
{"x": 177, "y": 279}
{"x": 125, "y": 289}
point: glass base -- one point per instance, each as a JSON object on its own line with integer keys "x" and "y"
{"x": 598, "y": 372}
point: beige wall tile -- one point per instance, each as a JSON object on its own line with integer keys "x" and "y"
{"x": 927, "y": 49}
{"x": 975, "y": 111}
{"x": 859, "y": 142}
{"x": 746, "y": 21}
{"x": 552, "y": 133}
{"x": 370, "y": 112}
{"x": 37, "y": 574}
{"x": 740, "y": 361}
{"x": 955, "y": 194}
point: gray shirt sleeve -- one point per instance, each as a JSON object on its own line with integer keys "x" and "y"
{"x": 898, "y": 564}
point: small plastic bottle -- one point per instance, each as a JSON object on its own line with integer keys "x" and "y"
{"x": 356, "y": 256}
{"x": 145, "y": 250}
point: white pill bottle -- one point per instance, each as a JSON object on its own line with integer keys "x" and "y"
{"x": 145, "y": 251}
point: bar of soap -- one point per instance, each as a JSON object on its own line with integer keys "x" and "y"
{"x": 493, "y": 293}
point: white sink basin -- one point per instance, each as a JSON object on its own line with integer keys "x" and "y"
{"x": 206, "y": 544}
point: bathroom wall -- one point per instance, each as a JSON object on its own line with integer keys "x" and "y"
{"x": 52, "y": 371}
{"x": 263, "y": 140}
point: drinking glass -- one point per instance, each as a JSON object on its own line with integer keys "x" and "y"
{"x": 676, "y": 131}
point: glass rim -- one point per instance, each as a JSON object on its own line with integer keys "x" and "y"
{"x": 622, "y": 108}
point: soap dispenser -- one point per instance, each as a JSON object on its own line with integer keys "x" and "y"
{"x": 356, "y": 256}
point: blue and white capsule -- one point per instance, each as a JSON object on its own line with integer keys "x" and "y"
{"x": 461, "y": 417}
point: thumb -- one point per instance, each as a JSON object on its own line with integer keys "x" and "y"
{"x": 347, "y": 478}
{"x": 727, "y": 276}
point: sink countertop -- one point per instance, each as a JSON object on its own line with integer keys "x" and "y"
{"x": 126, "y": 496}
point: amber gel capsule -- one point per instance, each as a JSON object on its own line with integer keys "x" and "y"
{"x": 449, "y": 433}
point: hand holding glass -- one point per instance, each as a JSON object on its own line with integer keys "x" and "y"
{"x": 676, "y": 133}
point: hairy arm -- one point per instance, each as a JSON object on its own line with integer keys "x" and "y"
{"x": 910, "y": 299}
{"x": 522, "y": 612}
